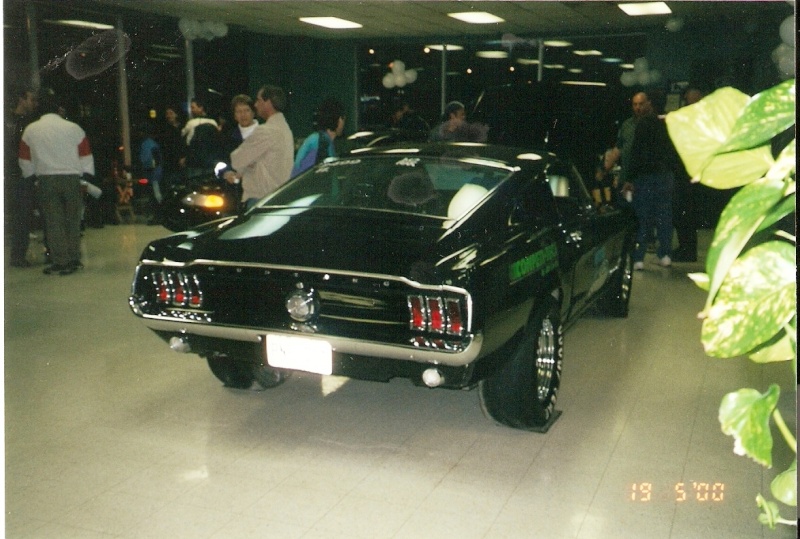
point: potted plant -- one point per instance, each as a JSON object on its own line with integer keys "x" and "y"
{"x": 729, "y": 140}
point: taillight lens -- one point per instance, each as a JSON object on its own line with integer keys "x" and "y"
{"x": 416, "y": 309}
{"x": 435, "y": 314}
{"x": 177, "y": 289}
{"x": 454, "y": 324}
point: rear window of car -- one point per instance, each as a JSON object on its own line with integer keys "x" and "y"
{"x": 438, "y": 187}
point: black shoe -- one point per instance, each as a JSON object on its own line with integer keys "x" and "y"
{"x": 55, "y": 268}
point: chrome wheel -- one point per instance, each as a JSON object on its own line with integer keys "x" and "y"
{"x": 545, "y": 360}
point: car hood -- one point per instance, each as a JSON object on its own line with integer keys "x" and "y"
{"x": 384, "y": 243}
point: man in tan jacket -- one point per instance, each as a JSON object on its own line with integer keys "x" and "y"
{"x": 263, "y": 162}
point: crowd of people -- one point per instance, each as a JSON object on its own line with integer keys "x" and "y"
{"x": 49, "y": 165}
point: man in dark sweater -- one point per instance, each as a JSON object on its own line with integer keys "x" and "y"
{"x": 653, "y": 160}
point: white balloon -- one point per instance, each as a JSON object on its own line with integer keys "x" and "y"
{"x": 189, "y": 28}
{"x": 218, "y": 28}
{"x": 411, "y": 75}
{"x": 640, "y": 64}
{"x": 398, "y": 66}
{"x": 674, "y": 24}
{"x": 783, "y": 57}
{"x": 643, "y": 78}
{"x": 787, "y": 31}
{"x": 388, "y": 81}
{"x": 400, "y": 79}
{"x": 183, "y": 24}
{"x": 655, "y": 76}
{"x": 628, "y": 78}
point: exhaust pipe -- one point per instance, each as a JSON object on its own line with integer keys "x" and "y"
{"x": 180, "y": 344}
{"x": 432, "y": 377}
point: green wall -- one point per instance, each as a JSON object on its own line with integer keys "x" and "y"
{"x": 309, "y": 71}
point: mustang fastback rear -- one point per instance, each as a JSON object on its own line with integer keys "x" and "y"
{"x": 452, "y": 265}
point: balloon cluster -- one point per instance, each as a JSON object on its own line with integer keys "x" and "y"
{"x": 399, "y": 76}
{"x": 783, "y": 55}
{"x": 641, "y": 74}
{"x": 208, "y": 30}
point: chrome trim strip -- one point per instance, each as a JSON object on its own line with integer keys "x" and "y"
{"x": 357, "y": 274}
{"x": 339, "y": 344}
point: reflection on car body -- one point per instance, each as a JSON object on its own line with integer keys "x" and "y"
{"x": 453, "y": 265}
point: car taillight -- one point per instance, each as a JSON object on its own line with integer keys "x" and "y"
{"x": 416, "y": 310}
{"x": 454, "y": 324}
{"x": 435, "y": 314}
{"x": 177, "y": 289}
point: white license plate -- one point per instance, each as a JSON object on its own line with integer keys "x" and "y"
{"x": 299, "y": 353}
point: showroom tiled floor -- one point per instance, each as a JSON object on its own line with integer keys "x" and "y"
{"x": 110, "y": 434}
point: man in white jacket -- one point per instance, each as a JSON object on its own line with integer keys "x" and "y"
{"x": 263, "y": 162}
{"x": 57, "y": 152}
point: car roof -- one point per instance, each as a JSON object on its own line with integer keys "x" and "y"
{"x": 508, "y": 155}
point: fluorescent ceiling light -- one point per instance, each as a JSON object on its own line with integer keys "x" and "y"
{"x": 331, "y": 22}
{"x": 626, "y": 66}
{"x": 575, "y": 70}
{"x": 636, "y": 9}
{"x": 611, "y": 60}
{"x": 588, "y": 53}
{"x": 582, "y": 83}
{"x": 82, "y": 24}
{"x": 527, "y": 61}
{"x": 476, "y": 17}
{"x": 557, "y": 43}
{"x": 553, "y": 66}
{"x": 449, "y": 47}
{"x": 497, "y": 55}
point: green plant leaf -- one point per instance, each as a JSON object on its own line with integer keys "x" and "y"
{"x": 739, "y": 220}
{"x": 785, "y": 164}
{"x": 784, "y": 486}
{"x": 744, "y": 414}
{"x": 755, "y": 301}
{"x": 782, "y": 349}
{"x": 771, "y": 513}
{"x": 700, "y": 279}
{"x": 779, "y": 211}
{"x": 735, "y": 169}
{"x": 768, "y": 114}
{"x": 699, "y": 130}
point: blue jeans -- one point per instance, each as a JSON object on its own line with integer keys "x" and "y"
{"x": 652, "y": 202}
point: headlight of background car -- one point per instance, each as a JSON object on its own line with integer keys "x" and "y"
{"x": 200, "y": 200}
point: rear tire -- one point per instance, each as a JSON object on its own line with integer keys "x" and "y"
{"x": 267, "y": 377}
{"x": 234, "y": 374}
{"x": 522, "y": 394}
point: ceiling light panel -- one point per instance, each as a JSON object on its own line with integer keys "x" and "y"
{"x": 81, "y": 24}
{"x": 331, "y": 22}
{"x": 495, "y": 55}
{"x": 637, "y": 9}
{"x": 449, "y": 47}
{"x": 476, "y": 17}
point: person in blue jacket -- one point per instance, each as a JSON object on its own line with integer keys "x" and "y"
{"x": 319, "y": 145}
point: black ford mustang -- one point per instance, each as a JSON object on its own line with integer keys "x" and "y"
{"x": 453, "y": 265}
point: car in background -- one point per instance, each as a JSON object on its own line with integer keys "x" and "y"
{"x": 452, "y": 265}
